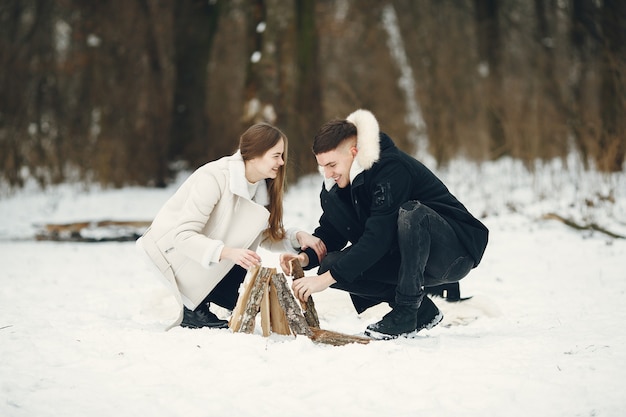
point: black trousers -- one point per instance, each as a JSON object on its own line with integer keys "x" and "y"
{"x": 430, "y": 255}
{"x": 226, "y": 292}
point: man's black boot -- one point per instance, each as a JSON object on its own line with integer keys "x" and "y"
{"x": 428, "y": 315}
{"x": 401, "y": 321}
{"x": 406, "y": 321}
{"x": 202, "y": 317}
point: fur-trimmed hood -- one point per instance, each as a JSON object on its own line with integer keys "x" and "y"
{"x": 367, "y": 137}
{"x": 367, "y": 143}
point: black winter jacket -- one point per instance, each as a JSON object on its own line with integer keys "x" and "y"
{"x": 365, "y": 213}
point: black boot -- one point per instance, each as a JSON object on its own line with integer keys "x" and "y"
{"x": 428, "y": 315}
{"x": 202, "y": 317}
{"x": 406, "y": 321}
{"x": 401, "y": 321}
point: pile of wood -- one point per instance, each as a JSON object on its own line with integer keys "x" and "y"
{"x": 268, "y": 292}
{"x": 93, "y": 231}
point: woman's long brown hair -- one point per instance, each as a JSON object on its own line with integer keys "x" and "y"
{"x": 254, "y": 142}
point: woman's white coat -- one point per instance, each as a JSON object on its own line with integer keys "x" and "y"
{"x": 210, "y": 210}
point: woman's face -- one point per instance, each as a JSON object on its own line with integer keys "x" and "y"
{"x": 267, "y": 165}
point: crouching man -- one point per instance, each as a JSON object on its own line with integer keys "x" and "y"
{"x": 391, "y": 228}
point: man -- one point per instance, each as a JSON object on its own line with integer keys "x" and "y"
{"x": 390, "y": 226}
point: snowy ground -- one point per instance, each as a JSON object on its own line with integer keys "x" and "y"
{"x": 81, "y": 325}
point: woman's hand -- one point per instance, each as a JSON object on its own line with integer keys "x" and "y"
{"x": 304, "y": 287}
{"x": 286, "y": 258}
{"x": 307, "y": 240}
{"x": 245, "y": 258}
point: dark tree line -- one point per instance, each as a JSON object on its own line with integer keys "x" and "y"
{"x": 124, "y": 91}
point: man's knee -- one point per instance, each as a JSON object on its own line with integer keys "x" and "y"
{"x": 412, "y": 216}
{"x": 413, "y": 211}
{"x": 410, "y": 205}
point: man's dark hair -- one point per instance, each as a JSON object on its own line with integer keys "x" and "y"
{"x": 331, "y": 134}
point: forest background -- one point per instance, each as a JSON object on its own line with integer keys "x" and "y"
{"x": 127, "y": 92}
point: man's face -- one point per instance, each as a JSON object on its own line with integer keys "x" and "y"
{"x": 337, "y": 163}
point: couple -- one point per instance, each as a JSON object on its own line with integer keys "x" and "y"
{"x": 390, "y": 230}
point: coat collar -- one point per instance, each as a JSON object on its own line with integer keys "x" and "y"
{"x": 367, "y": 138}
{"x": 239, "y": 184}
{"x": 367, "y": 143}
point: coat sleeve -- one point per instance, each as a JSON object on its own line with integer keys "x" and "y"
{"x": 388, "y": 188}
{"x": 204, "y": 194}
{"x": 288, "y": 244}
{"x": 332, "y": 212}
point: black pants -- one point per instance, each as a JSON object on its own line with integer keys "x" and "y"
{"x": 430, "y": 255}
{"x": 226, "y": 292}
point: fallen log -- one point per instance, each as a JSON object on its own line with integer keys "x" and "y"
{"x": 106, "y": 231}
{"x": 335, "y": 338}
{"x": 577, "y": 226}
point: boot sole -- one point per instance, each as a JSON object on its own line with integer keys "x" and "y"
{"x": 372, "y": 334}
{"x": 205, "y": 326}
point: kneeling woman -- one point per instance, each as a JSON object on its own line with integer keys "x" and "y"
{"x": 204, "y": 238}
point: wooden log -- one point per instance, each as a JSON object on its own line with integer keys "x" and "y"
{"x": 254, "y": 302}
{"x": 296, "y": 269}
{"x": 278, "y": 319}
{"x": 287, "y": 302}
{"x": 266, "y": 326}
{"x": 308, "y": 307}
{"x": 66, "y": 227}
{"x": 577, "y": 226}
{"x": 78, "y": 226}
{"x": 242, "y": 300}
{"x": 336, "y": 339}
{"x": 266, "y": 291}
{"x": 115, "y": 231}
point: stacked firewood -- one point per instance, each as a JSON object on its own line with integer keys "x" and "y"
{"x": 268, "y": 292}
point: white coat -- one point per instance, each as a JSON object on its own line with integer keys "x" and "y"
{"x": 210, "y": 210}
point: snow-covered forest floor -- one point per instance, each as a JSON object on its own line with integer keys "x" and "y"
{"x": 81, "y": 325}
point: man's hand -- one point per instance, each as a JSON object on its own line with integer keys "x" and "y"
{"x": 245, "y": 258}
{"x": 304, "y": 287}
{"x": 307, "y": 240}
{"x": 285, "y": 259}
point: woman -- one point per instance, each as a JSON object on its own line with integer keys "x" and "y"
{"x": 204, "y": 238}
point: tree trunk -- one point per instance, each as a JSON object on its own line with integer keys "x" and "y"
{"x": 305, "y": 116}
{"x": 550, "y": 108}
{"x": 195, "y": 23}
{"x": 613, "y": 88}
{"x": 582, "y": 35}
{"x": 490, "y": 54}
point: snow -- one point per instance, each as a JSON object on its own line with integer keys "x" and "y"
{"x": 81, "y": 324}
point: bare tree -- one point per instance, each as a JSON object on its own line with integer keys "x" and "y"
{"x": 550, "y": 133}
{"x": 490, "y": 53}
{"x": 306, "y": 114}
{"x": 226, "y": 78}
{"x": 29, "y": 134}
{"x": 613, "y": 86}
{"x": 195, "y": 24}
{"x": 117, "y": 91}
{"x": 584, "y": 36}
